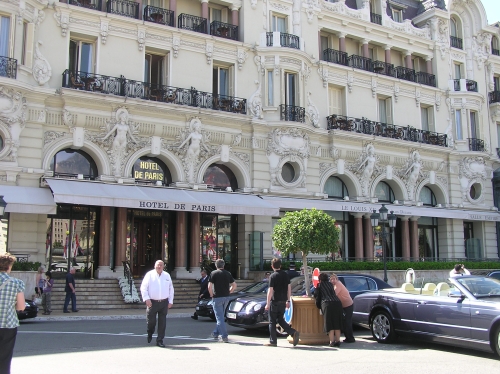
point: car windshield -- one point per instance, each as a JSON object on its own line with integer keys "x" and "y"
{"x": 481, "y": 287}
{"x": 430, "y": 286}
{"x": 256, "y": 287}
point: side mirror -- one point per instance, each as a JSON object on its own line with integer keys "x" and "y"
{"x": 456, "y": 294}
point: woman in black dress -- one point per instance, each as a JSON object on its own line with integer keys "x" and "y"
{"x": 331, "y": 307}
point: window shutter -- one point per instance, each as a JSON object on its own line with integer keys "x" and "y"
{"x": 388, "y": 111}
{"x": 335, "y": 101}
{"x": 231, "y": 81}
{"x": 430, "y": 118}
{"x": 30, "y": 36}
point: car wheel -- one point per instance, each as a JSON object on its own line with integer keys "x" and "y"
{"x": 280, "y": 331}
{"x": 496, "y": 340}
{"x": 382, "y": 327}
{"x": 212, "y": 317}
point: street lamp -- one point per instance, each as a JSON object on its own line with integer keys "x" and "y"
{"x": 383, "y": 217}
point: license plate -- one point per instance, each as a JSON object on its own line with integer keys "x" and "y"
{"x": 231, "y": 315}
{"x": 197, "y": 308}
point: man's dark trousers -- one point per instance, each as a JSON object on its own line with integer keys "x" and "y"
{"x": 160, "y": 308}
{"x": 70, "y": 295}
{"x": 348, "y": 333}
{"x": 7, "y": 342}
{"x": 276, "y": 312}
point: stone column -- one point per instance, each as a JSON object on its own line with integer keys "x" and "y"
{"x": 387, "y": 54}
{"x": 235, "y": 14}
{"x": 342, "y": 42}
{"x": 414, "y": 238}
{"x": 180, "y": 271}
{"x": 366, "y": 52}
{"x": 204, "y": 10}
{"x": 104, "y": 270}
{"x": 408, "y": 62}
{"x": 194, "y": 250}
{"x": 368, "y": 237}
{"x": 405, "y": 238}
{"x": 172, "y": 5}
{"x": 358, "y": 236}
{"x": 121, "y": 239}
{"x": 428, "y": 64}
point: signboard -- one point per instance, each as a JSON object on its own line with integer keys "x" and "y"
{"x": 315, "y": 277}
{"x": 148, "y": 170}
{"x": 289, "y": 313}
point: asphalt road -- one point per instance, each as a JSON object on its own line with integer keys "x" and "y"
{"x": 120, "y": 346}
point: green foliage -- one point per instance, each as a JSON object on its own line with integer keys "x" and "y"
{"x": 306, "y": 231}
{"x": 26, "y": 266}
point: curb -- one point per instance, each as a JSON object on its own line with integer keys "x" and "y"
{"x": 102, "y": 318}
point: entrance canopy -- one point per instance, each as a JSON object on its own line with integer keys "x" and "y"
{"x": 158, "y": 198}
{"x": 354, "y": 207}
{"x": 32, "y": 200}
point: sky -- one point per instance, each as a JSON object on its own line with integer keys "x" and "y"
{"x": 492, "y": 8}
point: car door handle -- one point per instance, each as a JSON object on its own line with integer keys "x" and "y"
{"x": 421, "y": 302}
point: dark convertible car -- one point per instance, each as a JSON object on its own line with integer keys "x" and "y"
{"x": 463, "y": 311}
{"x": 30, "y": 311}
{"x": 248, "y": 311}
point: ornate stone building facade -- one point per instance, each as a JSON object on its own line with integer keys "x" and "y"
{"x": 182, "y": 130}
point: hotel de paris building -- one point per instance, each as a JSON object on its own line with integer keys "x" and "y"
{"x": 182, "y": 130}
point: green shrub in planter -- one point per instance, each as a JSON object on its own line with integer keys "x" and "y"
{"x": 26, "y": 266}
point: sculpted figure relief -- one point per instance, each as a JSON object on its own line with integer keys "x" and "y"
{"x": 366, "y": 167}
{"x": 195, "y": 141}
{"x": 412, "y": 173}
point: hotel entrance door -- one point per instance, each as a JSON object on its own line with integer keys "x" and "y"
{"x": 148, "y": 245}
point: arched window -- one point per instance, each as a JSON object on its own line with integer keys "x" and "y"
{"x": 220, "y": 177}
{"x": 454, "y": 27}
{"x": 1, "y": 143}
{"x": 70, "y": 163}
{"x": 495, "y": 49}
{"x": 427, "y": 197}
{"x": 151, "y": 170}
{"x": 335, "y": 188}
{"x": 384, "y": 193}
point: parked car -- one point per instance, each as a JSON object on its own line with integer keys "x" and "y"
{"x": 248, "y": 311}
{"x": 204, "y": 308}
{"x": 487, "y": 273}
{"x": 463, "y": 311}
{"x": 31, "y": 311}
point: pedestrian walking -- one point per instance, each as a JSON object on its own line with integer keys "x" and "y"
{"x": 331, "y": 307}
{"x": 70, "y": 291}
{"x": 292, "y": 273}
{"x": 347, "y": 305}
{"x": 39, "y": 280}
{"x": 220, "y": 285}
{"x": 47, "y": 293}
{"x": 11, "y": 298}
{"x": 278, "y": 300}
{"x": 157, "y": 292}
{"x": 204, "y": 294}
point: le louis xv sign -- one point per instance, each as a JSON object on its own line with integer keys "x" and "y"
{"x": 164, "y": 205}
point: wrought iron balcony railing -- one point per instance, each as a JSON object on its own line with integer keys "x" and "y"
{"x": 405, "y": 74}
{"x": 456, "y": 84}
{"x": 494, "y": 97}
{"x": 159, "y": 15}
{"x": 89, "y": 4}
{"x": 376, "y": 18}
{"x": 471, "y": 85}
{"x": 224, "y": 30}
{"x": 269, "y": 39}
{"x": 337, "y": 57}
{"x": 8, "y": 67}
{"x": 292, "y": 113}
{"x": 381, "y": 67}
{"x": 193, "y": 23}
{"x": 456, "y": 42}
{"x": 123, "y": 8}
{"x": 476, "y": 145}
{"x": 498, "y": 152}
{"x": 365, "y": 126}
{"x": 289, "y": 40}
{"x": 495, "y": 52}
{"x": 426, "y": 78}
{"x": 148, "y": 91}
{"x": 360, "y": 62}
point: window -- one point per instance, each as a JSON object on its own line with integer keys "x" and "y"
{"x": 498, "y": 136}
{"x": 155, "y": 69}
{"x": 496, "y": 82}
{"x": 222, "y": 81}
{"x": 335, "y": 188}
{"x": 474, "y": 133}
{"x": 155, "y": 3}
{"x": 427, "y": 238}
{"x": 397, "y": 15}
{"x": 384, "y": 193}
{"x": 324, "y": 44}
{"x": 270, "y": 88}
{"x": 458, "y": 124}
{"x": 279, "y": 23}
{"x": 453, "y": 27}
{"x": 427, "y": 197}
{"x": 217, "y": 13}
{"x": 494, "y": 46}
{"x": 335, "y": 99}
{"x": 457, "y": 71}
{"x": 4, "y": 36}
{"x": 291, "y": 89}
{"x": 220, "y": 177}
{"x": 427, "y": 118}
{"x": 385, "y": 110}
{"x": 81, "y": 56}
{"x": 70, "y": 163}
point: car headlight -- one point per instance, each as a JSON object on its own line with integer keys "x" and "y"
{"x": 252, "y": 306}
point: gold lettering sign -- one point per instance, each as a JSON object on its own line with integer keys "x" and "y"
{"x": 148, "y": 170}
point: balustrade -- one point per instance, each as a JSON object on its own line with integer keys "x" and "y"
{"x": 495, "y": 52}
{"x": 471, "y": 85}
{"x": 292, "y": 113}
{"x": 405, "y": 74}
{"x": 494, "y": 97}
{"x": 289, "y": 40}
{"x": 8, "y": 67}
{"x": 123, "y": 8}
{"x": 425, "y": 78}
{"x": 224, "y": 30}
{"x": 376, "y": 18}
{"x": 360, "y": 62}
{"x": 89, "y": 4}
{"x": 456, "y": 42}
{"x": 337, "y": 57}
{"x": 381, "y": 67}
{"x": 159, "y": 15}
{"x": 476, "y": 145}
{"x": 193, "y": 23}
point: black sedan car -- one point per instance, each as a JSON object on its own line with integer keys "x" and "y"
{"x": 30, "y": 311}
{"x": 463, "y": 311}
{"x": 204, "y": 308}
{"x": 248, "y": 311}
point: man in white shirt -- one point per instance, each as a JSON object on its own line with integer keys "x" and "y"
{"x": 459, "y": 270}
{"x": 158, "y": 293}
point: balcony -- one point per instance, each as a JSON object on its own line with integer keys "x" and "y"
{"x": 193, "y": 23}
{"x": 498, "y": 152}
{"x": 375, "y": 18}
{"x": 123, "y": 8}
{"x": 89, "y": 4}
{"x": 427, "y": 79}
{"x": 365, "y": 126}
{"x": 406, "y": 74}
{"x": 292, "y": 113}
{"x": 471, "y": 86}
{"x": 464, "y": 85}
{"x": 476, "y": 145}
{"x": 224, "y": 30}
{"x": 384, "y": 68}
{"x": 494, "y": 97}
{"x": 158, "y": 15}
{"x": 456, "y": 42}
{"x": 8, "y": 67}
{"x": 337, "y": 57}
{"x": 282, "y": 39}
{"x": 147, "y": 91}
{"x": 360, "y": 62}
{"x": 495, "y": 52}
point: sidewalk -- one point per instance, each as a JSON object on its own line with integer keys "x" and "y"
{"x": 106, "y": 314}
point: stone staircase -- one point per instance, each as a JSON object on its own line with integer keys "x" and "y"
{"x": 106, "y": 294}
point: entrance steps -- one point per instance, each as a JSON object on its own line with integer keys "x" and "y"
{"x": 106, "y": 294}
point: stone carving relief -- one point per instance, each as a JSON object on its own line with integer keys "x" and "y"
{"x": 439, "y": 32}
{"x": 141, "y": 38}
{"x": 366, "y": 168}
{"x": 323, "y": 73}
{"x": 256, "y": 103}
{"x": 491, "y": 74}
{"x": 481, "y": 48}
{"x": 176, "y": 43}
{"x": 104, "y": 30}
{"x": 42, "y": 116}
{"x": 396, "y": 92}
{"x": 438, "y": 101}
{"x": 306, "y": 72}
{"x": 209, "y": 51}
{"x": 12, "y": 121}
{"x": 374, "y": 86}
{"x": 62, "y": 20}
{"x": 41, "y": 68}
{"x": 471, "y": 170}
{"x": 242, "y": 57}
{"x": 311, "y": 8}
{"x": 418, "y": 95}
{"x": 39, "y": 17}
{"x": 261, "y": 64}
{"x": 312, "y": 111}
{"x": 350, "y": 81}
{"x": 68, "y": 118}
{"x": 411, "y": 173}
{"x": 253, "y": 4}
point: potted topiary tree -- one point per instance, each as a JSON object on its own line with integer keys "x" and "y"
{"x": 307, "y": 231}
